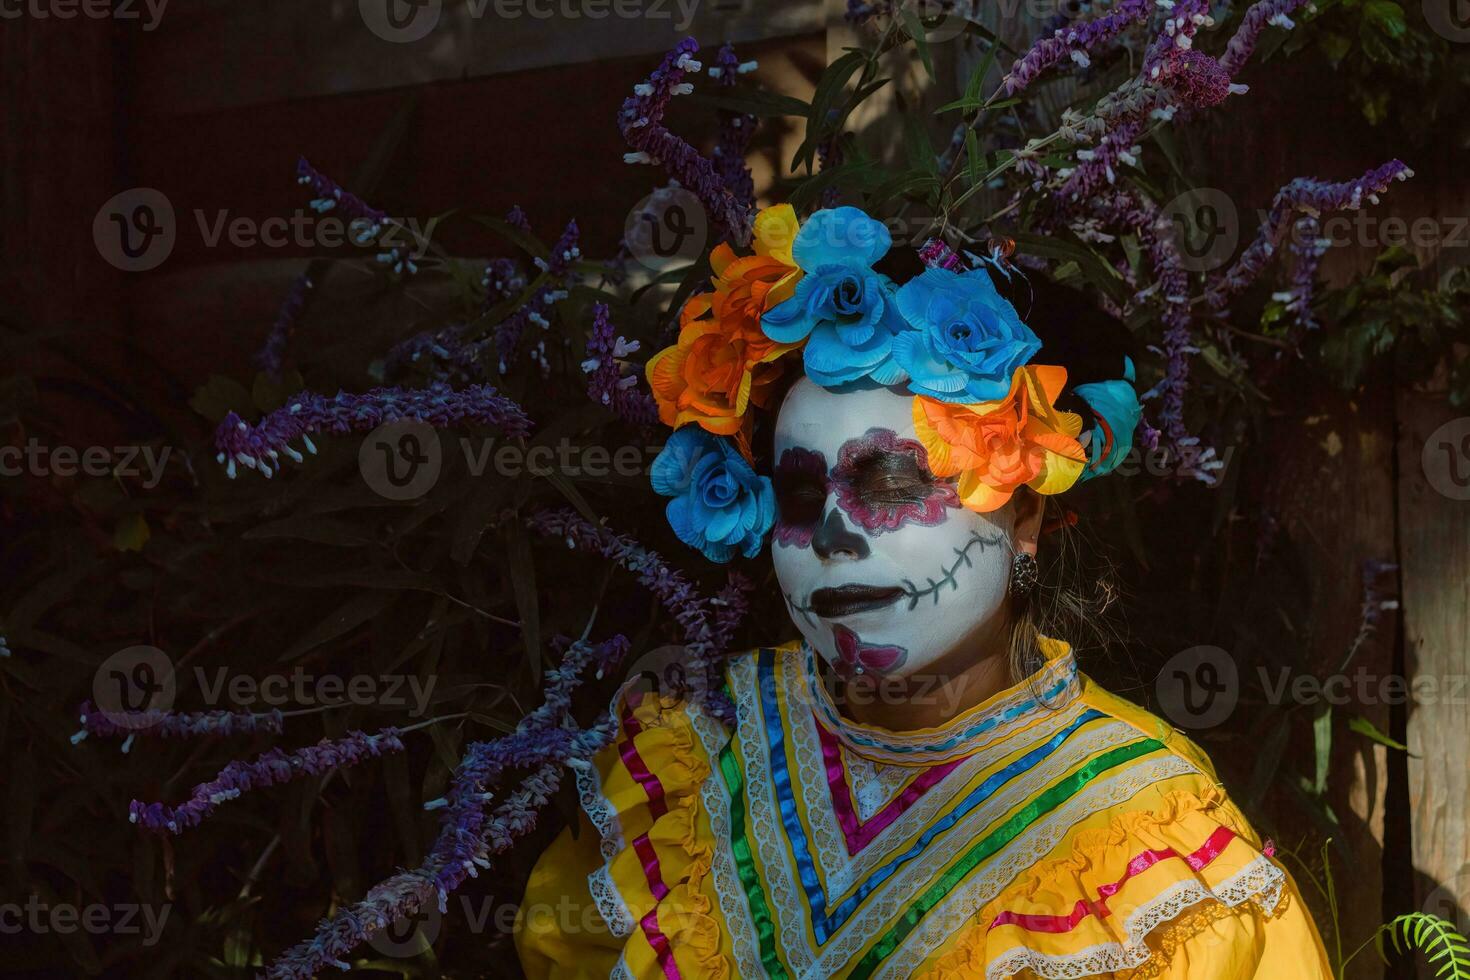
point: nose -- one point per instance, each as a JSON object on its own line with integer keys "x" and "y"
{"x": 835, "y": 539}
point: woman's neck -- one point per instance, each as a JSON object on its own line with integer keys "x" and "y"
{"x": 949, "y": 687}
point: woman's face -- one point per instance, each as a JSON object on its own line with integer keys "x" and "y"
{"x": 883, "y": 571}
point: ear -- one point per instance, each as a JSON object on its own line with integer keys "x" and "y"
{"x": 1028, "y": 508}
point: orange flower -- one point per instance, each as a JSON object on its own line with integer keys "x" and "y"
{"x": 723, "y": 363}
{"x": 997, "y": 447}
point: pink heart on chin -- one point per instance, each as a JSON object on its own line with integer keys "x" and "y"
{"x": 855, "y": 653}
{"x": 880, "y": 658}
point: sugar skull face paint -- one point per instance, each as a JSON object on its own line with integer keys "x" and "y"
{"x": 883, "y": 571}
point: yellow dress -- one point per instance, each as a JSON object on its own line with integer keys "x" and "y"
{"x": 1053, "y": 831}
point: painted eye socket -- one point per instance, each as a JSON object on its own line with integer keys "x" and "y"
{"x": 883, "y": 482}
{"x": 800, "y": 482}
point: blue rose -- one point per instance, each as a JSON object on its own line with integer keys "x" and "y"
{"x": 841, "y": 307}
{"x": 1116, "y": 414}
{"x": 720, "y": 504}
{"x": 967, "y": 341}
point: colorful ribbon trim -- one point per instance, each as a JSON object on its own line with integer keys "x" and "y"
{"x": 859, "y": 834}
{"x": 1197, "y": 861}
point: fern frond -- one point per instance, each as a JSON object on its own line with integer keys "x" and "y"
{"x": 1436, "y": 938}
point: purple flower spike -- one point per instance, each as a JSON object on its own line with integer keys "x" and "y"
{"x": 737, "y": 129}
{"x": 1304, "y": 195}
{"x": 702, "y": 638}
{"x": 1185, "y": 19}
{"x": 516, "y": 218}
{"x": 641, "y": 122}
{"x": 606, "y": 383}
{"x": 1255, "y": 21}
{"x": 272, "y": 768}
{"x": 559, "y": 274}
{"x": 1074, "y": 42}
{"x": 272, "y": 355}
{"x": 470, "y": 833}
{"x": 330, "y": 196}
{"x": 169, "y": 724}
{"x": 259, "y": 447}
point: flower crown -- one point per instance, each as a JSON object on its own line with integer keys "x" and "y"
{"x": 983, "y": 411}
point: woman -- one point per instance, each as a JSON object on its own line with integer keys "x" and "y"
{"x": 924, "y": 784}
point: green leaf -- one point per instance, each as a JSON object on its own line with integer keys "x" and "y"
{"x": 1368, "y": 730}
{"x": 1322, "y": 747}
{"x": 131, "y": 533}
{"x": 915, "y": 28}
{"x": 1387, "y": 16}
{"x": 829, "y": 87}
{"x": 973, "y": 159}
{"x": 219, "y": 396}
{"x": 1098, "y": 272}
{"x": 917, "y": 146}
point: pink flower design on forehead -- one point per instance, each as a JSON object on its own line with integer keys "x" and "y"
{"x": 883, "y": 482}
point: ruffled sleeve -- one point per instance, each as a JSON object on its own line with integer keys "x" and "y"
{"x": 644, "y": 869}
{"x": 1180, "y": 891}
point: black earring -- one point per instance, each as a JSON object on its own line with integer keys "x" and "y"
{"x": 1023, "y": 575}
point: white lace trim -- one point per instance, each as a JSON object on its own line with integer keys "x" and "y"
{"x": 782, "y": 882}
{"x": 939, "y": 744}
{"x": 599, "y": 809}
{"x": 744, "y": 943}
{"x": 842, "y": 870}
{"x": 1261, "y": 881}
{"x": 620, "y": 970}
{"x": 609, "y": 902}
{"x": 1030, "y": 848}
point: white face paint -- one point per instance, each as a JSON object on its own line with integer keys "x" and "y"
{"x": 916, "y": 575}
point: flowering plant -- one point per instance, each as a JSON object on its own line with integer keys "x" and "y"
{"x": 452, "y": 583}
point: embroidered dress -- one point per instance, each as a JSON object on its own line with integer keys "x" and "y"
{"x": 1053, "y": 831}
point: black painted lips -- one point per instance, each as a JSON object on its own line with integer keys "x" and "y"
{"x": 848, "y": 599}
